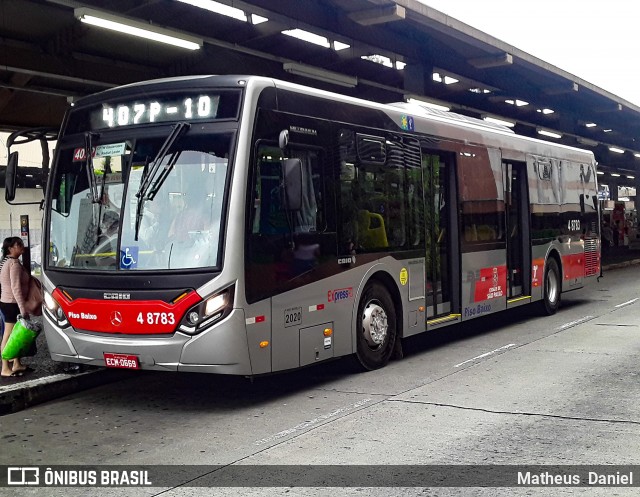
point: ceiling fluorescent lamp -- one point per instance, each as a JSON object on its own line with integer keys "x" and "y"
{"x": 636, "y": 155}
{"x": 545, "y": 111}
{"x": 137, "y": 28}
{"x": 616, "y": 150}
{"x": 630, "y": 177}
{"x": 616, "y": 175}
{"x": 307, "y": 36}
{"x": 501, "y": 122}
{"x": 590, "y": 125}
{"x": 320, "y": 74}
{"x": 218, "y": 8}
{"x": 550, "y": 134}
{"x": 601, "y": 173}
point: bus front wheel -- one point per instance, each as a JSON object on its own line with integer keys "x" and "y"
{"x": 376, "y": 327}
{"x": 552, "y": 287}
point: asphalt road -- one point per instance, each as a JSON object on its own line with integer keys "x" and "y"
{"x": 515, "y": 389}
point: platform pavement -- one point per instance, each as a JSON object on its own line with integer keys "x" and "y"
{"x": 50, "y": 380}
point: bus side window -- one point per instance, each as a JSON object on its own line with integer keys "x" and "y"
{"x": 373, "y": 191}
{"x": 481, "y": 201}
{"x": 270, "y": 215}
{"x": 284, "y": 244}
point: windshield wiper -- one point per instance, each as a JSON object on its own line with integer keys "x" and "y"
{"x": 91, "y": 175}
{"x": 155, "y": 176}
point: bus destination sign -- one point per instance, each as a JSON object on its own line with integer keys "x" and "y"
{"x": 155, "y": 111}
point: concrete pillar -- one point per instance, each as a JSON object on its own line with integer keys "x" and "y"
{"x": 418, "y": 79}
{"x": 613, "y": 187}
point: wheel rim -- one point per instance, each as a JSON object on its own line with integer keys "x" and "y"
{"x": 374, "y": 324}
{"x": 552, "y": 286}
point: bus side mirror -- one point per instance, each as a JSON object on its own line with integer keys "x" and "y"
{"x": 292, "y": 172}
{"x": 10, "y": 178}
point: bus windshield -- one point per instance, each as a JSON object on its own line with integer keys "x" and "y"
{"x": 178, "y": 227}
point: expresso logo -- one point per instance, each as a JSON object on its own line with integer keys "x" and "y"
{"x": 340, "y": 294}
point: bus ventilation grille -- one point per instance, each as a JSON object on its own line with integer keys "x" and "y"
{"x": 591, "y": 262}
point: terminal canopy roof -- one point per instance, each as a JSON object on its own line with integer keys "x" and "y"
{"x": 381, "y": 50}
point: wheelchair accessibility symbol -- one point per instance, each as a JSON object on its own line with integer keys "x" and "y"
{"x": 129, "y": 257}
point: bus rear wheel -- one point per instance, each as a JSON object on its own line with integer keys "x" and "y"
{"x": 376, "y": 327}
{"x": 552, "y": 287}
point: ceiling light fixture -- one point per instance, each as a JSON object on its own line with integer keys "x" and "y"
{"x": 137, "y": 28}
{"x": 307, "y": 36}
{"x": 226, "y": 10}
{"x": 548, "y": 133}
{"x": 218, "y": 8}
{"x": 616, "y": 150}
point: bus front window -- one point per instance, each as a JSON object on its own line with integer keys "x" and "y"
{"x": 179, "y": 226}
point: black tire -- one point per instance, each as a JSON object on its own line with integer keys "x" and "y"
{"x": 376, "y": 327}
{"x": 552, "y": 287}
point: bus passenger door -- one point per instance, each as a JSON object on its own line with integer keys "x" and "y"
{"x": 441, "y": 284}
{"x": 518, "y": 238}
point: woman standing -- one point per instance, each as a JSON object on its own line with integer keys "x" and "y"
{"x": 14, "y": 281}
{"x": 3, "y": 258}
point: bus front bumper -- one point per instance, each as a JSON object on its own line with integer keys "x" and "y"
{"x": 220, "y": 349}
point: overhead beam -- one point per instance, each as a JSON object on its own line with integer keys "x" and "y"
{"x": 498, "y": 60}
{"x": 568, "y": 87}
{"x": 378, "y": 15}
{"x": 612, "y": 107}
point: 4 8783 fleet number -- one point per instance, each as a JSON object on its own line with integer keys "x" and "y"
{"x": 156, "y": 318}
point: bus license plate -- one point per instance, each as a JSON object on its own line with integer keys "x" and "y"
{"x": 121, "y": 361}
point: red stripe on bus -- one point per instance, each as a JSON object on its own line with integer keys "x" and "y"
{"x": 127, "y": 317}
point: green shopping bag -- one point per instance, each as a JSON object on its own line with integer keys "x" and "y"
{"x": 22, "y": 337}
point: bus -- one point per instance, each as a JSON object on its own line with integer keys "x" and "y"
{"x": 244, "y": 225}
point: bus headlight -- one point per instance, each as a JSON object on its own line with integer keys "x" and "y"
{"x": 208, "y": 312}
{"x": 50, "y": 302}
{"x": 53, "y": 309}
{"x": 215, "y": 304}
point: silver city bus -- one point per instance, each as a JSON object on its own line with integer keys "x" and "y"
{"x": 243, "y": 225}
